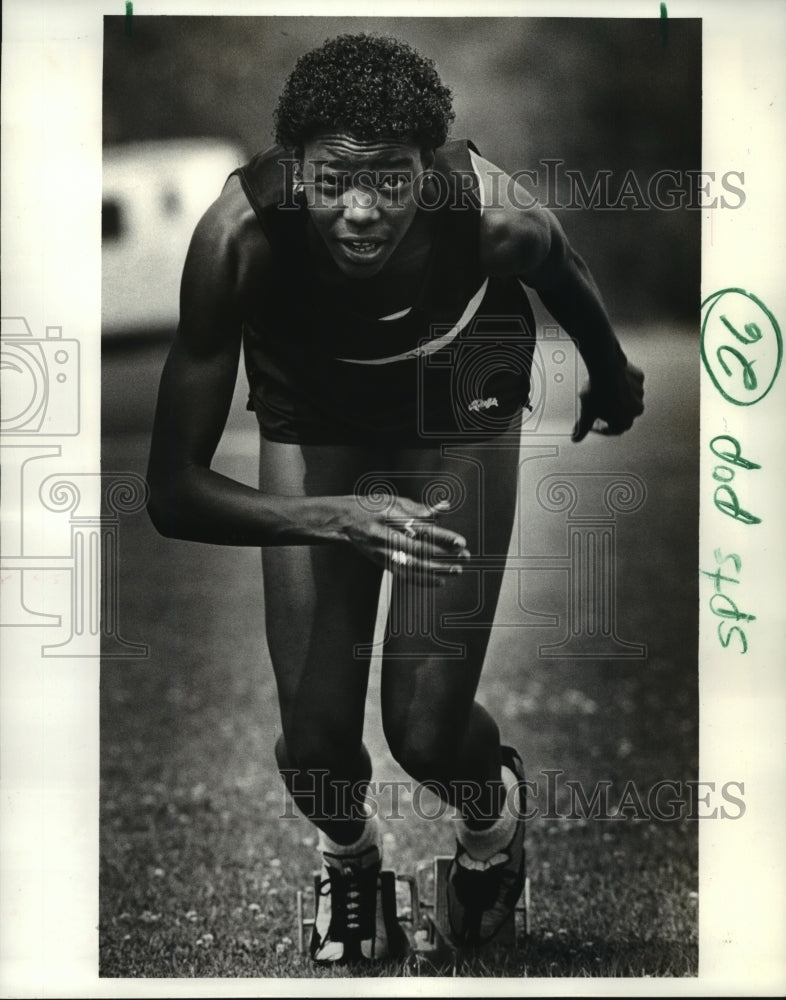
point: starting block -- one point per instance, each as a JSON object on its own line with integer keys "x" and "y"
{"x": 425, "y": 919}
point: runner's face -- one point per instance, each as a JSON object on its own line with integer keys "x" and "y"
{"x": 361, "y": 196}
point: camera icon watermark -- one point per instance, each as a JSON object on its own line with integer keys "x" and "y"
{"x": 40, "y": 381}
{"x": 488, "y": 371}
{"x": 40, "y": 412}
{"x": 554, "y": 385}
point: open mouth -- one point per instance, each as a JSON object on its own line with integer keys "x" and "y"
{"x": 362, "y": 250}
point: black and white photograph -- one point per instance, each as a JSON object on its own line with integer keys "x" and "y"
{"x": 418, "y": 553}
{"x": 526, "y": 708}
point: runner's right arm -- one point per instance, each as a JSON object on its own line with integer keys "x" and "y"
{"x": 188, "y": 499}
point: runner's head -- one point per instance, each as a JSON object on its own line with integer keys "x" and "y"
{"x": 363, "y": 116}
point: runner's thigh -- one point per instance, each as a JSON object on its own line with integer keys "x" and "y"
{"x": 321, "y": 600}
{"x": 431, "y": 665}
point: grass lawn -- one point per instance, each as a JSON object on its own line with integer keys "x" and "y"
{"x": 198, "y": 873}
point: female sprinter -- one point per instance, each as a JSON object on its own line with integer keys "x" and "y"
{"x": 373, "y": 272}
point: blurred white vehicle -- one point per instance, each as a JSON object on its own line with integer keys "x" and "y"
{"x": 153, "y": 196}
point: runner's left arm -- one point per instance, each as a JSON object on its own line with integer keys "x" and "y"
{"x": 521, "y": 238}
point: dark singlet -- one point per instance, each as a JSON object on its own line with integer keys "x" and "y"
{"x": 453, "y": 365}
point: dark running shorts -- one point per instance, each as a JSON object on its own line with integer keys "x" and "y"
{"x": 471, "y": 388}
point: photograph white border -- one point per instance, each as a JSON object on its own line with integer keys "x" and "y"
{"x": 51, "y": 193}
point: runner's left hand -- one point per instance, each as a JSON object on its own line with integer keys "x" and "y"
{"x": 612, "y": 403}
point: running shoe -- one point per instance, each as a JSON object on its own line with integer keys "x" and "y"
{"x": 356, "y": 911}
{"x": 482, "y": 895}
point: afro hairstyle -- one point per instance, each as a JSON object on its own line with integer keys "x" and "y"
{"x": 367, "y": 85}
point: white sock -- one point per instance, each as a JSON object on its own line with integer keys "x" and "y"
{"x": 369, "y": 838}
{"x": 484, "y": 844}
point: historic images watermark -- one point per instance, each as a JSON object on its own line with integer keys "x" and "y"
{"x": 543, "y": 372}
{"x": 551, "y": 184}
{"x": 41, "y": 407}
{"x": 587, "y": 624}
{"x": 549, "y": 796}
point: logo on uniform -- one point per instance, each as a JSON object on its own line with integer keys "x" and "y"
{"x": 483, "y": 404}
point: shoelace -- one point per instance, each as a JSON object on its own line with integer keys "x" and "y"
{"x": 353, "y": 908}
{"x": 348, "y": 894}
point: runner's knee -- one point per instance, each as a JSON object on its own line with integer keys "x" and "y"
{"x": 324, "y": 742}
{"x": 424, "y": 749}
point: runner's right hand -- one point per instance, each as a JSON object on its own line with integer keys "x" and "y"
{"x": 403, "y": 536}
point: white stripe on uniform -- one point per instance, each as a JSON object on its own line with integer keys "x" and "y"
{"x": 432, "y": 345}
